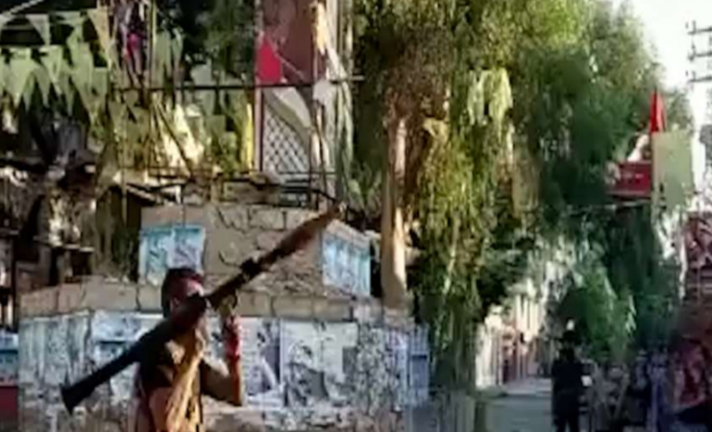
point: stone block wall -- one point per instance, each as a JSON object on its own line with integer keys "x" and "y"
{"x": 337, "y": 264}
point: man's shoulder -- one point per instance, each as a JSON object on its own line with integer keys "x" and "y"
{"x": 156, "y": 372}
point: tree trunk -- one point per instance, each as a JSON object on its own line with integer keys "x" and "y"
{"x": 393, "y": 236}
{"x": 452, "y": 256}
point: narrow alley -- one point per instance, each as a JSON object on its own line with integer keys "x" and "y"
{"x": 523, "y": 407}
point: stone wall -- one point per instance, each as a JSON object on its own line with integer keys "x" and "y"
{"x": 318, "y": 352}
{"x": 299, "y": 375}
{"x": 223, "y": 236}
{"x": 96, "y": 294}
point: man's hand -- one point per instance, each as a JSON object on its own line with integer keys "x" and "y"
{"x": 231, "y": 336}
{"x": 188, "y": 348}
{"x": 196, "y": 345}
{"x": 229, "y": 388}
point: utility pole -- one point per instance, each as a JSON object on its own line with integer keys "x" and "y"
{"x": 696, "y": 57}
{"x": 700, "y": 77}
{"x": 700, "y": 81}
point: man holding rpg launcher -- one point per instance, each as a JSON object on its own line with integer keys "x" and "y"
{"x": 168, "y": 387}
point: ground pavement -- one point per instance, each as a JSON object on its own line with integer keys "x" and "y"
{"x": 522, "y": 407}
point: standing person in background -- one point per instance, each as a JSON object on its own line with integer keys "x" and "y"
{"x": 638, "y": 393}
{"x": 168, "y": 388}
{"x": 691, "y": 385}
{"x": 567, "y": 375}
{"x": 659, "y": 415}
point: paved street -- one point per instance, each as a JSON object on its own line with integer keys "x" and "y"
{"x": 525, "y": 407}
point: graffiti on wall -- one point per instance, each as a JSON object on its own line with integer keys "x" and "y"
{"x": 383, "y": 359}
{"x": 297, "y": 373}
{"x": 5, "y": 263}
{"x": 346, "y": 263}
{"x": 261, "y": 362}
{"x": 8, "y": 359}
{"x": 165, "y": 247}
{"x": 318, "y": 363}
{"x": 418, "y": 367}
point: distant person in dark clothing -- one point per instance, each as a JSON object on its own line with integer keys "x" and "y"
{"x": 567, "y": 374}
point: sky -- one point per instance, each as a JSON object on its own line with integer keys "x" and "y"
{"x": 664, "y": 23}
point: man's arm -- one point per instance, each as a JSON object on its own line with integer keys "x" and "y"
{"x": 579, "y": 376}
{"x": 227, "y": 388}
{"x": 221, "y": 386}
{"x": 169, "y": 404}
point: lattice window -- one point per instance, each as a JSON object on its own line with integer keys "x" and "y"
{"x": 282, "y": 150}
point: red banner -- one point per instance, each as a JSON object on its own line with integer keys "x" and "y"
{"x": 633, "y": 180}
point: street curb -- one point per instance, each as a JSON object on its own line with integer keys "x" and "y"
{"x": 494, "y": 393}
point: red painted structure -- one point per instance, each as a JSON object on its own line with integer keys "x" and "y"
{"x": 8, "y": 403}
{"x": 634, "y": 180}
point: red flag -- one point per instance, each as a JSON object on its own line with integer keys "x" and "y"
{"x": 657, "y": 114}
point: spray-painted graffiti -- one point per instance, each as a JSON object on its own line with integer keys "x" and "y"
{"x": 165, "y": 247}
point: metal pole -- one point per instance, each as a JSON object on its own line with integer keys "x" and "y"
{"x": 701, "y": 80}
{"x": 19, "y": 8}
{"x": 696, "y": 32}
{"x": 236, "y": 86}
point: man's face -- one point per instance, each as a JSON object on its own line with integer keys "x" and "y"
{"x": 184, "y": 291}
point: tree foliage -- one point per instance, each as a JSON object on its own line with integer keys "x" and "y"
{"x": 604, "y": 318}
{"x": 578, "y": 82}
{"x": 419, "y": 66}
{"x": 217, "y": 31}
{"x": 582, "y": 88}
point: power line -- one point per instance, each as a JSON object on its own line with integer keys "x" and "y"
{"x": 701, "y": 80}
{"x": 236, "y": 86}
{"x": 696, "y": 31}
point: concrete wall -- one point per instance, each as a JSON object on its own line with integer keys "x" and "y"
{"x": 489, "y": 359}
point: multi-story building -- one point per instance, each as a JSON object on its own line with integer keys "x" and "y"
{"x": 518, "y": 340}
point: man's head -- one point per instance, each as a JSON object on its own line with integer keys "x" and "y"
{"x": 568, "y": 353}
{"x": 179, "y": 285}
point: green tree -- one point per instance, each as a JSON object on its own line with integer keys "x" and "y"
{"x": 581, "y": 80}
{"x": 405, "y": 50}
{"x": 439, "y": 123}
{"x": 604, "y": 318}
